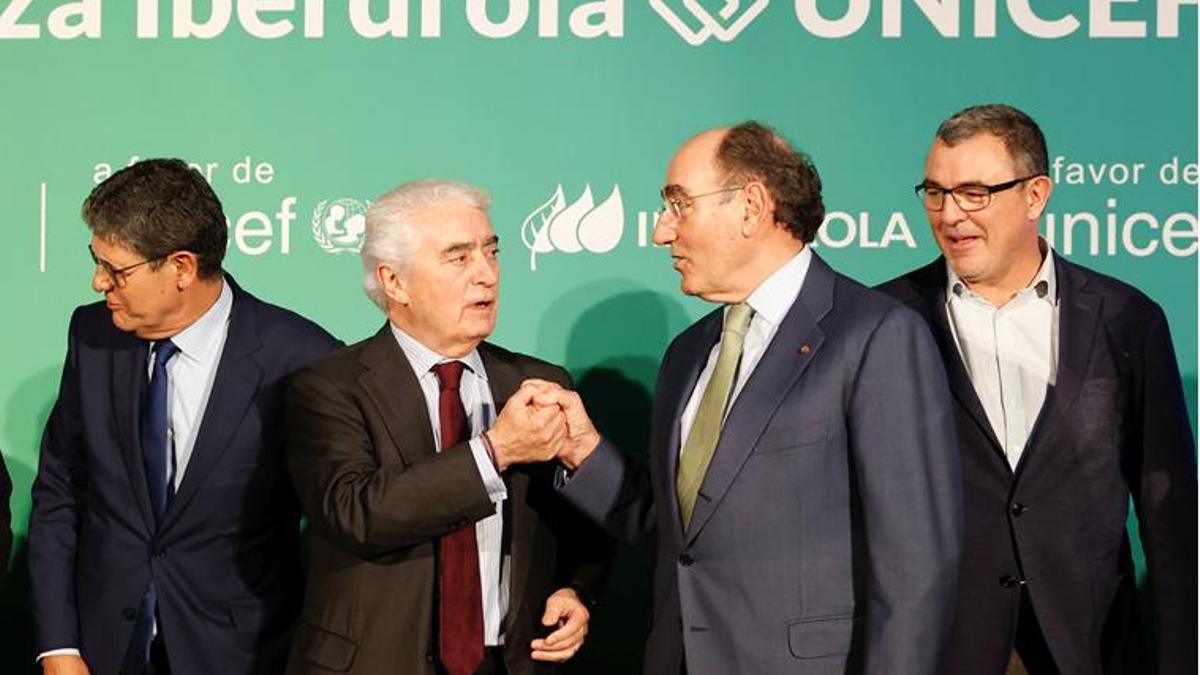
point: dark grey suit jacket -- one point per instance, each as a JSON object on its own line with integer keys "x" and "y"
{"x": 827, "y": 534}
{"x": 1114, "y": 426}
{"x": 378, "y": 496}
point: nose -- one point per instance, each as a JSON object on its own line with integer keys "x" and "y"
{"x": 487, "y": 271}
{"x": 101, "y": 283}
{"x": 664, "y": 228}
{"x": 951, "y": 213}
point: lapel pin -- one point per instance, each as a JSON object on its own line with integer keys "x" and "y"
{"x": 804, "y": 348}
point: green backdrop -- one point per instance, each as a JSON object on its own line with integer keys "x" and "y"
{"x": 301, "y": 111}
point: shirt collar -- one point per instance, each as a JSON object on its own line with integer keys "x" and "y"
{"x": 1044, "y": 285}
{"x": 423, "y": 359}
{"x": 201, "y": 341}
{"x": 778, "y": 292}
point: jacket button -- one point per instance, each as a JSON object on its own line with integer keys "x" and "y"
{"x": 686, "y": 560}
{"x": 428, "y": 657}
{"x": 128, "y": 614}
{"x": 159, "y": 553}
{"x": 1009, "y": 581}
{"x": 1018, "y": 508}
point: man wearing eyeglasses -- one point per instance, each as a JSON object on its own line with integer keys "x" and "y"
{"x": 803, "y": 495}
{"x": 165, "y": 534}
{"x": 1068, "y": 402}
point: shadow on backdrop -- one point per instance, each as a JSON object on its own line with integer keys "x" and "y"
{"x": 613, "y": 348}
{"x": 25, "y": 416}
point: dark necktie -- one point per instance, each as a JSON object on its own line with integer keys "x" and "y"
{"x": 156, "y": 449}
{"x": 156, "y": 444}
{"x": 460, "y": 598}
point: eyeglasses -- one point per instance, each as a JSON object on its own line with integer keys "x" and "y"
{"x": 969, "y": 197}
{"x": 116, "y": 275}
{"x": 675, "y": 205}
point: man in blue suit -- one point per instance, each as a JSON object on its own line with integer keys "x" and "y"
{"x": 803, "y": 493}
{"x": 165, "y": 534}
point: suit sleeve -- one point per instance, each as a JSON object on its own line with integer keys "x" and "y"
{"x": 906, "y": 463}
{"x": 1165, "y": 500}
{"x": 366, "y": 507}
{"x": 58, "y": 489}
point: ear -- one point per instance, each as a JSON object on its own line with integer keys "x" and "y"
{"x": 393, "y": 285}
{"x": 759, "y": 208}
{"x": 1037, "y": 195}
{"x": 185, "y": 266}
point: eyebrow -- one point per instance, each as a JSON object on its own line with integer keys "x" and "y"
{"x": 493, "y": 240}
{"x": 674, "y": 190}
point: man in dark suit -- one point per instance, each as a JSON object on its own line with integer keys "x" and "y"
{"x": 1068, "y": 402}
{"x": 803, "y": 494}
{"x": 165, "y": 537}
{"x": 437, "y": 543}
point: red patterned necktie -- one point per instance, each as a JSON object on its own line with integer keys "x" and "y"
{"x": 460, "y": 598}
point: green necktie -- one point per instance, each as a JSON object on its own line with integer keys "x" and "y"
{"x": 706, "y": 429}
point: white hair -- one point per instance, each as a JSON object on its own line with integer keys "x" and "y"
{"x": 390, "y": 239}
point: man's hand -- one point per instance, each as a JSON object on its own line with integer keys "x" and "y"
{"x": 526, "y": 433}
{"x": 64, "y": 664}
{"x": 565, "y": 610}
{"x": 582, "y": 437}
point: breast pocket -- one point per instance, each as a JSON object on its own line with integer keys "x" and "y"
{"x": 791, "y": 434}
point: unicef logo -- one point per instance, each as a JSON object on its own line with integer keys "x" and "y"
{"x": 575, "y": 227}
{"x": 338, "y": 225}
{"x": 730, "y": 20}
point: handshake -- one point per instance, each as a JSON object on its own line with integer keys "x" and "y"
{"x": 541, "y": 422}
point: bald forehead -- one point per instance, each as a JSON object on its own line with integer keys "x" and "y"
{"x": 694, "y": 164}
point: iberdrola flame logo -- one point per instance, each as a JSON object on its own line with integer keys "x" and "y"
{"x": 571, "y": 228}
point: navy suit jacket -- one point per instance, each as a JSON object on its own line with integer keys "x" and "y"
{"x": 1114, "y": 425}
{"x": 827, "y": 532}
{"x": 225, "y": 561}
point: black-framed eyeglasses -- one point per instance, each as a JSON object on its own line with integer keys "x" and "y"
{"x": 969, "y": 197}
{"x": 116, "y": 275}
{"x": 675, "y": 204}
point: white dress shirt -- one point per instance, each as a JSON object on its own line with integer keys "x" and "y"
{"x": 190, "y": 376}
{"x": 1010, "y": 352}
{"x": 481, "y": 413}
{"x": 770, "y": 302}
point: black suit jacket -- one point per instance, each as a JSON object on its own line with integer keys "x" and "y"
{"x": 5, "y": 518}
{"x": 378, "y": 496}
{"x": 1114, "y": 425}
{"x": 225, "y": 562}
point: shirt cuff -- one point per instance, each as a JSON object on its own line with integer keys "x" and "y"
{"x": 66, "y": 651}
{"x": 492, "y": 481}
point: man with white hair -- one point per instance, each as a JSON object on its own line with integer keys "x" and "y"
{"x": 437, "y": 541}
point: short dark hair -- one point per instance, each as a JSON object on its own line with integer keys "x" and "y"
{"x": 1021, "y": 135}
{"x": 157, "y": 207}
{"x": 754, "y": 151}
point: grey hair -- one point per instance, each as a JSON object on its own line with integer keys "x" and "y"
{"x": 390, "y": 239}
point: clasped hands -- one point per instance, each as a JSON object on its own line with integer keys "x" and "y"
{"x": 541, "y": 422}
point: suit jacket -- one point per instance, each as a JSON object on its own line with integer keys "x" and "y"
{"x": 5, "y": 518}
{"x": 225, "y": 562}
{"x": 378, "y": 496}
{"x": 827, "y": 532}
{"x": 1114, "y": 425}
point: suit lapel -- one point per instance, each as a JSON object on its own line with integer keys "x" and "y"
{"x": 1078, "y": 320}
{"x": 932, "y": 289}
{"x": 392, "y": 386}
{"x": 780, "y": 367}
{"x": 129, "y": 367}
{"x": 233, "y": 390}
